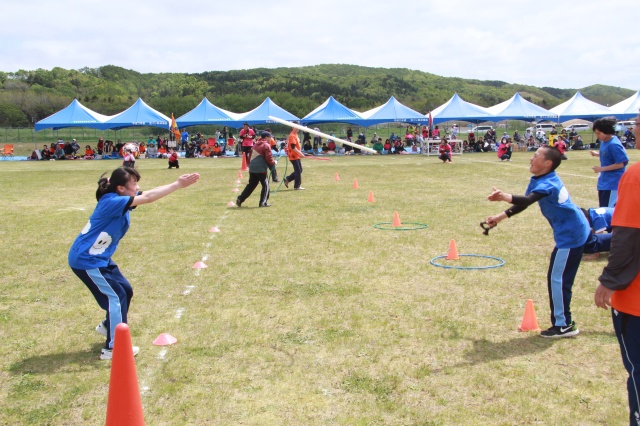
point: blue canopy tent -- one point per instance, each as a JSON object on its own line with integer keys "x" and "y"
{"x": 458, "y": 109}
{"x": 518, "y": 108}
{"x": 332, "y": 111}
{"x": 580, "y": 108}
{"x": 207, "y": 113}
{"x": 138, "y": 115}
{"x": 260, "y": 115}
{"x": 74, "y": 115}
{"x": 392, "y": 111}
{"x": 627, "y": 109}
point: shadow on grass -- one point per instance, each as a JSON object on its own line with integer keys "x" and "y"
{"x": 69, "y": 362}
{"x": 483, "y": 350}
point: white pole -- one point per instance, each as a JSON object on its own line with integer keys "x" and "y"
{"x": 322, "y": 135}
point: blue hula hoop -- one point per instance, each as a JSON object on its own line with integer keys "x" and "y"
{"x": 501, "y": 262}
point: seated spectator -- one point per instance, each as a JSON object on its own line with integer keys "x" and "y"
{"x": 325, "y": 148}
{"x": 59, "y": 153}
{"x": 435, "y": 134}
{"x": 398, "y": 146}
{"x": 152, "y": 151}
{"x": 578, "y": 144}
{"x": 331, "y": 145}
{"x": 425, "y": 132}
{"x": 173, "y": 159}
{"x": 386, "y": 148}
{"x": 486, "y": 145}
{"x": 540, "y": 136}
{"x": 89, "y": 153}
{"x": 75, "y": 147}
{"x": 348, "y": 149}
{"x": 190, "y": 151}
{"x": 45, "y": 154}
{"x": 392, "y": 138}
{"x": 516, "y": 136}
{"x": 118, "y": 148}
{"x": 204, "y": 151}
{"x": 307, "y": 148}
{"x": 216, "y": 151}
{"x": 142, "y": 148}
{"x": 377, "y": 146}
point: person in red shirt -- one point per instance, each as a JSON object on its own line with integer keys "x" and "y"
{"x": 619, "y": 286}
{"x": 503, "y": 150}
{"x": 173, "y": 159}
{"x": 562, "y": 146}
{"x": 247, "y": 136}
{"x": 445, "y": 151}
{"x": 294, "y": 152}
{"x": 260, "y": 163}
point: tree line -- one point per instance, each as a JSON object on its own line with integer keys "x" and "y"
{"x": 29, "y": 96}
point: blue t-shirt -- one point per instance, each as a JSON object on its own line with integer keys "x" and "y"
{"x": 99, "y": 239}
{"x": 185, "y": 136}
{"x": 601, "y": 218}
{"x": 569, "y": 225}
{"x": 611, "y": 152}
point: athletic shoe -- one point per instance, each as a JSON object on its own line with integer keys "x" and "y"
{"x": 299, "y": 189}
{"x": 286, "y": 183}
{"x": 276, "y": 180}
{"x": 108, "y": 353}
{"x": 265, "y": 205}
{"x": 559, "y": 331}
{"x": 101, "y": 329}
{"x": 238, "y": 202}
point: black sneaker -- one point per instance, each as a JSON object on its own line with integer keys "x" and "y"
{"x": 286, "y": 183}
{"x": 265, "y": 205}
{"x": 559, "y": 331}
{"x": 238, "y": 202}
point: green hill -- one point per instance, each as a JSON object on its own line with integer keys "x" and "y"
{"x": 29, "y": 96}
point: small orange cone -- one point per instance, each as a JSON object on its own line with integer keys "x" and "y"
{"x": 337, "y": 177}
{"x": 164, "y": 339}
{"x": 371, "y": 199}
{"x": 452, "y": 254}
{"x": 355, "y": 184}
{"x": 235, "y": 190}
{"x": 231, "y": 204}
{"x": 244, "y": 162}
{"x": 199, "y": 265}
{"x": 124, "y": 406}
{"x": 214, "y": 229}
{"x": 396, "y": 220}
{"x": 529, "y": 321}
{"x": 240, "y": 174}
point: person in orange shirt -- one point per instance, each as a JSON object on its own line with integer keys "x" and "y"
{"x": 619, "y": 286}
{"x": 162, "y": 152}
{"x": 294, "y": 152}
{"x": 205, "y": 151}
{"x": 216, "y": 151}
{"x": 88, "y": 153}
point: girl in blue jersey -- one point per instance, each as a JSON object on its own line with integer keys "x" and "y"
{"x": 90, "y": 254}
{"x": 570, "y": 232}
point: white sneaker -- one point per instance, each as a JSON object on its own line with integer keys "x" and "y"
{"x": 108, "y": 353}
{"x": 299, "y": 189}
{"x": 101, "y": 329}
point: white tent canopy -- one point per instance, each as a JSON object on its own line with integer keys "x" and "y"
{"x": 627, "y": 109}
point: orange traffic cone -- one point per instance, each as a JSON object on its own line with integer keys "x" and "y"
{"x": 355, "y": 184}
{"x": 244, "y": 163}
{"x": 396, "y": 220}
{"x": 452, "y": 254}
{"x": 371, "y": 199}
{"x": 124, "y": 406}
{"x": 529, "y": 321}
{"x": 337, "y": 177}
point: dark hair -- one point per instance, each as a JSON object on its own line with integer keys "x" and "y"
{"x": 120, "y": 177}
{"x": 552, "y": 153}
{"x": 606, "y": 125}
{"x": 587, "y": 215}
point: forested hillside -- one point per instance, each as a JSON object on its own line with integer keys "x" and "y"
{"x": 29, "y": 96}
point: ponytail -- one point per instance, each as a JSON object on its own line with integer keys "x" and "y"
{"x": 120, "y": 177}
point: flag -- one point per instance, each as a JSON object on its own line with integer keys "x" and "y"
{"x": 174, "y": 128}
{"x": 430, "y": 120}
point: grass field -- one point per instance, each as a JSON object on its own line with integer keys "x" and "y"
{"x": 307, "y": 314}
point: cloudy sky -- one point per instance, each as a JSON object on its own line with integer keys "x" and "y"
{"x": 564, "y": 44}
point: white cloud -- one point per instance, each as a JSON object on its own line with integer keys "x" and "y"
{"x": 568, "y": 44}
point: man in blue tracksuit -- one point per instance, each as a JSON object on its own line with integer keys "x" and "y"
{"x": 570, "y": 232}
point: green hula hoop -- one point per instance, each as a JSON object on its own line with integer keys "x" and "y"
{"x": 500, "y": 263}
{"x": 416, "y": 226}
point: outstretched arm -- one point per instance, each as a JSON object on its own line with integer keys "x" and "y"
{"x": 162, "y": 191}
